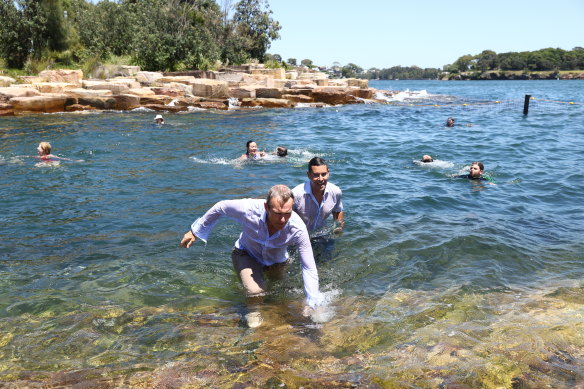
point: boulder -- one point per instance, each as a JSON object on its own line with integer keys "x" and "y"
{"x": 322, "y": 82}
{"x": 268, "y": 93}
{"x": 180, "y": 79}
{"x": 258, "y": 79}
{"x": 6, "y": 109}
{"x": 116, "y": 88}
{"x": 171, "y": 92}
{"x": 334, "y": 96}
{"x": 12, "y": 91}
{"x": 78, "y": 107}
{"x": 80, "y": 92}
{"x": 362, "y": 93}
{"x": 211, "y": 105}
{"x": 298, "y": 91}
{"x": 165, "y": 108}
{"x": 298, "y": 98}
{"x": 127, "y": 102}
{"x": 292, "y": 75}
{"x": 148, "y": 78}
{"x": 31, "y": 79}
{"x": 63, "y": 75}
{"x": 6, "y": 81}
{"x": 277, "y": 73}
{"x": 232, "y": 78}
{"x": 142, "y": 92}
{"x": 23, "y": 105}
{"x": 110, "y": 71}
{"x": 185, "y": 89}
{"x": 267, "y": 103}
{"x": 364, "y": 84}
{"x": 98, "y": 102}
{"x": 156, "y": 100}
{"x": 210, "y": 88}
{"x": 54, "y": 87}
{"x": 243, "y": 92}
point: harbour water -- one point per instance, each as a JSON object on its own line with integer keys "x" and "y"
{"x": 436, "y": 281}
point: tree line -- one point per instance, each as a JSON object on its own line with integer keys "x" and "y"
{"x": 155, "y": 34}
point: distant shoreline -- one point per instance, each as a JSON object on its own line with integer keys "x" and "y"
{"x": 517, "y": 75}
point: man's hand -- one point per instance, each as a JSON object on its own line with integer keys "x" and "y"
{"x": 188, "y": 239}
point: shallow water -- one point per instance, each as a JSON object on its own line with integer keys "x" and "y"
{"x": 435, "y": 280}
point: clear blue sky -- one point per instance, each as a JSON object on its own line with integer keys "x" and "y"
{"x": 426, "y": 33}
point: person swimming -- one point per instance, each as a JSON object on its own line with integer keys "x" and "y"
{"x": 450, "y": 122}
{"x": 426, "y": 158}
{"x": 252, "y": 151}
{"x": 476, "y": 171}
{"x": 159, "y": 119}
{"x": 281, "y": 151}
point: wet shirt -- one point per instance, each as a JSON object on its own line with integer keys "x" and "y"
{"x": 257, "y": 242}
{"x": 312, "y": 213}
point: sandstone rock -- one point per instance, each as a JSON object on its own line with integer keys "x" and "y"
{"x": 171, "y": 92}
{"x": 13, "y": 91}
{"x": 185, "y": 89}
{"x": 267, "y": 103}
{"x": 127, "y": 102}
{"x": 6, "y": 81}
{"x": 364, "y": 84}
{"x": 210, "y": 88}
{"x": 148, "y": 78}
{"x": 229, "y": 77}
{"x": 156, "y": 100}
{"x": 63, "y": 75}
{"x": 54, "y": 87}
{"x": 282, "y": 84}
{"x": 293, "y": 75}
{"x": 268, "y": 93}
{"x": 334, "y": 96}
{"x": 298, "y": 91}
{"x": 322, "y": 82}
{"x": 298, "y": 98}
{"x": 80, "y": 92}
{"x": 242, "y": 92}
{"x": 273, "y": 73}
{"x": 165, "y": 108}
{"x": 141, "y": 92}
{"x": 98, "y": 102}
{"x": 184, "y": 102}
{"x": 31, "y": 79}
{"x": 189, "y": 80}
{"x": 78, "y": 107}
{"x": 362, "y": 93}
{"x": 115, "y": 87}
{"x": 23, "y": 105}
{"x": 211, "y": 105}
{"x": 6, "y": 109}
{"x": 258, "y": 79}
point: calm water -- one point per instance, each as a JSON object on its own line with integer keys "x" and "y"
{"x": 435, "y": 280}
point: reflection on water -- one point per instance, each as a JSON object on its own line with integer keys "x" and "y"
{"x": 434, "y": 282}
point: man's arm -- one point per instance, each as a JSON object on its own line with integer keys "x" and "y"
{"x": 339, "y": 218}
{"x": 309, "y": 272}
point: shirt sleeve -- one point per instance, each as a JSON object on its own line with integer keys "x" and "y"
{"x": 339, "y": 204}
{"x": 309, "y": 272}
{"x": 234, "y": 209}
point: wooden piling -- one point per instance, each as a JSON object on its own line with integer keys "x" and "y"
{"x": 526, "y": 104}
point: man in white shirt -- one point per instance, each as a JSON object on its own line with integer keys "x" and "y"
{"x": 268, "y": 228}
{"x": 316, "y": 200}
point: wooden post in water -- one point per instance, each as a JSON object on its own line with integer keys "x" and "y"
{"x": 526, "y": 104}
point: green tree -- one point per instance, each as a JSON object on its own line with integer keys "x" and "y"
{"x": 292, "y": 61}
{"x": 254, "y": 24}
{"x": 463, "y": 63}
{"x": 351, "y": 70}
{"x": 486, "y": 60}
{"x": 307, "y": 63}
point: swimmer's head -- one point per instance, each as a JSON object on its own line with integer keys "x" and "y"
{"x": 251, "y": 147}
{"x": 476, "y": 169}
{"x": 281, "y": 151}
{"x": 426, "y": 158}
{"x": 159, "y": 119}
{"x": 450, "y": 122}
{"x": 44, "y": 148}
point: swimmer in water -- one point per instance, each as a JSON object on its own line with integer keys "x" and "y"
{"x": 450, "y": 122}
{"x": 44, "y": 150}
{"x": 252, "y": 151}
{"x": 281, "y": 151}
{"x": 426, "y": 158}
{"x": 476, "y": 172}
{"x": 159, "y": 119}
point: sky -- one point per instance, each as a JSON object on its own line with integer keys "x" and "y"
{"x": 425, "y": 33}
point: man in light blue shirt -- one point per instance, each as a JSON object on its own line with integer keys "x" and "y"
{"x": 316, "y": 200}
{"x": 269, "y": 226}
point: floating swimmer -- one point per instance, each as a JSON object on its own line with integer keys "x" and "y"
{"x": 426, "y": 158}
{"x": 159, "y": 119}
{"x": 476, "y": 172}
{"x": 252, "y": 151}
{"x": 44, "y": 150}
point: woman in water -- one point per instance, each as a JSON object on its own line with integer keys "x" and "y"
{"x": 44, "y": 151}
{"x": 252, "y": 151}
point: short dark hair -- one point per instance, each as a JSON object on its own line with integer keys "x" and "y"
{"x": 481, "y": 166}
{"x": 281, "y": 151}
{"x": 317, "y": 161}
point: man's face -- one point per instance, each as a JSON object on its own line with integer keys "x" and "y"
{"x": 475, "y": 171}
{"x": 318, "y": 176}
{"x": 278, "y": 213}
